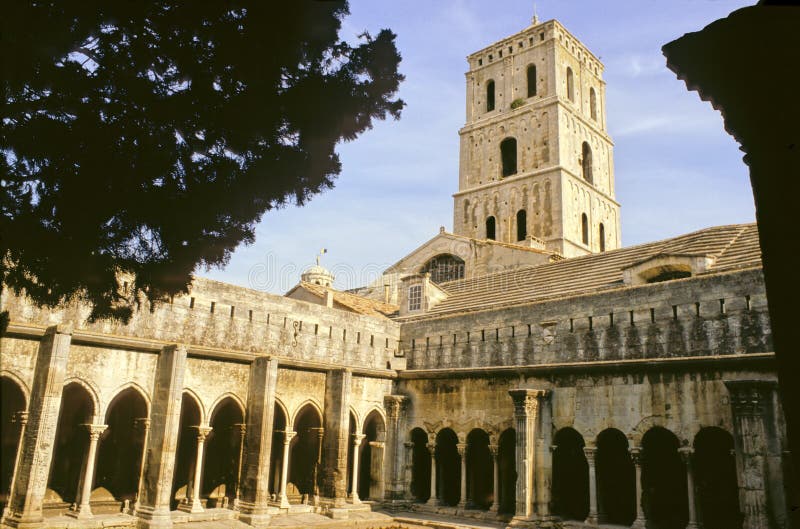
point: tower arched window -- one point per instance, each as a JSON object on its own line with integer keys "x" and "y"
{"x": 508, "y": 154}
{"x": 522, "y": 225}
{"x": 531, "y": 80}
{"x": 490, "y": 228}
{"x": 490, "y": 96}
{"x": 593, "y": 103}
{"x": 570, "y": 84}
{"x": 585, "y": 229}
{"x": 587, "y": 163}
{"x": 602, "y": 235}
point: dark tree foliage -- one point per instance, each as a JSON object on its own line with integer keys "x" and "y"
{"x": 150, "y": 137}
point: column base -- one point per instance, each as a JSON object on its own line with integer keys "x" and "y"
{"x": 284, "y": 502}
{"x": 433, "y": 502}
{"x": 255, "y": 515}
{"x": 592, "y": 519}
{"x": 354, "y": 499}
{"x": 20, "y": 521}
{"x": 639, "y": 523}
{"x": 191, "y": 506}
{"x": 692, "y": 525}
{"x": 81, "y": 512}
{"x": 521, "y": 521}
{"x": 149, "y": 518}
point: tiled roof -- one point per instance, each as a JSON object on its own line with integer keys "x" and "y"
{"x": 359, "y": 304}
{"x": 733, "y": 246}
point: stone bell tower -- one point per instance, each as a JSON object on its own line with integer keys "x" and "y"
{"x": 535, "y": 156}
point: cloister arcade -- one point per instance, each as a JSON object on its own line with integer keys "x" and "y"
{"x": 610, "y": 478}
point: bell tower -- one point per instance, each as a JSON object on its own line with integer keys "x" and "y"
{"x": 536, "y": 160}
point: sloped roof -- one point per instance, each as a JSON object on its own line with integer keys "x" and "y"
{"x": 733, "y": 246}
{"x": 358, "y": 304}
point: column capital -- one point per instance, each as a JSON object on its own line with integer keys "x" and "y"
{"x": 288, "y": 435}
{"x": 590, "y": 452}
{"x": 20, "y": 417}
{"x": 526, "y": 401}
{"x": 686, "y": 453}
{"x": 357, "y": 438}
{"x": 141, "y": 423}
{"x": 242, "y": 427}
{"x": 431, "y": 448}
{"x": 394, "y": 405}
{"x": 636, "y": 455}
{"x": 95, "y": 430}
{"x": 462, "y": 448}
{"x": 202, "y": 432}
{"x": 409, "y": 445}
{"x": 494, "y": 450}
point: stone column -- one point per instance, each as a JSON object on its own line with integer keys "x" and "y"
{"x": 462, "y": 452}
{"x": 641, "y": 521}
{"x": 193, "y": 504}
{"x": 143, "y": 425}
{"x": 590, "y": 452}
{"x": 495, "y": 506}
{"x": 21, "y": 420}
{"x": 155, "y": 488}
{"x": 761, "y": 494}
{"x": 287, "y": 439}
{"x": 317, "y": 462}
{"x": 395, "y": 406}
{"x": 337, "y": 424}
{"x": 543, "y": 468}
{"x": 526, "y": 407}
{"x": 36, "y": 447}
{"x": 434, "y": 499}
{"x": 254, "y": 483}
{"x": 377, "y": 485}
{"x": 357, "y": 438}
{"x": 242, "y": 431}
{"x": 408, "y": 474}
{"x": 83, "y": 509}
{"x": 686, "y": 454}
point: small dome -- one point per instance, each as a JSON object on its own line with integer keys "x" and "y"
{"x": 317, "y": 275}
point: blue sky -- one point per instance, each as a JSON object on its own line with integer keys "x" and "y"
{"x": 676, "y": 168}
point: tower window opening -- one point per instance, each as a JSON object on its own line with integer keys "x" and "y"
{"x": 587, "y": 163}
{"x": 508, "y": 153}
{"x": 602, "y": 235}
{"x": 585, "y": 228}
{"x": 490, "y": 228}
{"x": 522, "y": 225}
{"x": 570, "y": 85}
{"x": 490, "y": 95}
{"x": 531, "y": 80}
{"x": 593, "y": 103}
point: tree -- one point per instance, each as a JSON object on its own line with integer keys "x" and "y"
{"x": 148, "y": 138}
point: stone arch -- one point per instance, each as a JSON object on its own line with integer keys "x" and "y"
{"x": 370, "y": 479}
{"x": 570, "y": 475}
{"x": 448, "y": 467}
{"x": 645, "y": 424}
{"x": 120, "y": 451}
{"x": 19, "y": 381}
{"x": 420, "y": 485}
{"x": 715, "y": 479}
{"x": 13, "y": 401}
{"x": 91, "y": 390}
{"x": 300, "y": 407}
{"x": 78, "y": 408}
{"x": 119, "y": 391}
{"x": 616, "y": 477}
{"x": 505, "y": 497}
{"x": 280, "y": 419}
{"x": 220, "y": 400}
{"x": 197, "y": 400}
{"x": 223, "y": 451}
{"x": 304, "y": 450}
{"x": 191, "y": 419}
{"x": 664, "y": 486}
{"x": 480, "y": 467}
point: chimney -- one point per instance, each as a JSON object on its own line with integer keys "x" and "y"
{"x": 329, "y": 299}
{"x": 386, "y": 293}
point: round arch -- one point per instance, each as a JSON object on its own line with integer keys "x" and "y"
{"x": 664, "y": 486}
{"x": 570, "y": 475}
{"x": 444, "y": 267}
{"x": 480, "y": 466}
{"x": 448, "y": 467}
{"x": 616, "y": 477}
{"x": 420, "y": 464}
{"x": 715, "y": 478}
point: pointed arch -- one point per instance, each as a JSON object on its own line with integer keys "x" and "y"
{"x": 91, "y": 390}
{"x": 374, "y": 410}
{"x": 301, "y": 407}
{"x": 221, "y": 401}
{"x": 285, "y": 409}
{"x": 23, "y": 387}
{"x": 197, "y": 400}
{"x": 119, "y": 391}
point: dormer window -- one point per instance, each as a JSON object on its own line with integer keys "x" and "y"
{"x": 666, "y": 267}
{"x": 414, "y": 297}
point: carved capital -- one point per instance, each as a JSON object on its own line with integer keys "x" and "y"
{"x": 394, "y": 405}
{"x": 462, "y": 448}
{"x": 241, "y": 428}
{"x": 636, "y": 455}
{"x": 686, "y": 453}
{"x": 494, "y": 449}
{"x": 141, "y": 423}
{"x": 409, "y": 445}
{"x": 202, "y": 433}
{"x": 288, "y": 434}
{"x": 431, "y": 448}
{"x": 95, "y": 430}
{"x": 357, "y": 438}
{"x": 589, "y": 452}
{"x": 21, "y": 418}
{"x": 526, "y": 401}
